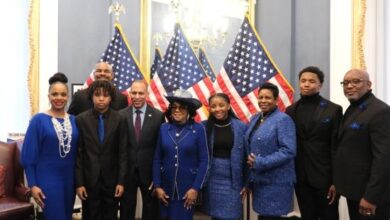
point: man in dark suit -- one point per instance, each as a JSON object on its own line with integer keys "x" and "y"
{"x": 144, "y": 122}
{"x": 362, "y": 165}
{"x": 317, "y": 120}
{"x": 80, "y": 101}
{"x": 101, "y": 163}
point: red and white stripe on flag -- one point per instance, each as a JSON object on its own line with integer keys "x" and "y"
{"x": 246, "y": 106}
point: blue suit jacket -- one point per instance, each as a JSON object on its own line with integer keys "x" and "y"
{"x": 273, "y": 173}
{"x": 237, "y": 156}
{"x": 274, "y": 144}
{"x": 180, "y": 165}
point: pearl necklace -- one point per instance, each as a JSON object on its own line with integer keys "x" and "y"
{"x": 64, "y": 134}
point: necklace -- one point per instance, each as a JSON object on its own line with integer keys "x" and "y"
{"x": 262, "y": 117}
{"x": 64, "y": 135}
{"x": 222, "y": 126}
{"x": 177, "y": 133}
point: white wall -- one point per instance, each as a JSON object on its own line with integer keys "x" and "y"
{"x": 377, "y": 47}
{"x": 340, "y": 47}
{"x": 48, "y": 50}
{"x": 14, "y": 97}
{"x": 14, "y": 111}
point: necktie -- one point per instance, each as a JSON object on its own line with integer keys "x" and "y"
{"x": 137, "y": 124}
{"x": 101, "y": 128}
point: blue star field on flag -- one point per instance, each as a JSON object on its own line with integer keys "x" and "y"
{"x": 156, "y": 62}
{"x": 180, "y": 69}
{"x": 247, "y": 64}
{"x": 206, "y": 64}
{"x": 124, "y": 65}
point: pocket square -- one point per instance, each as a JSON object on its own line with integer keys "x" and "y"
{"x": 356, "y": 125}
{"x": 325, "y": 120}
{"x": 363, "y": 106}
{"x": 323, "y": 104}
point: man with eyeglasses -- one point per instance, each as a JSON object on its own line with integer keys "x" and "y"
{"x": 80, "y": 101}
{"x": 362, "y": 162}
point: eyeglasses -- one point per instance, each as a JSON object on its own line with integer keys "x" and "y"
{"x": 102, "y": 71}
{"x": 353, "y": 82}
{"x": 179, "y": 107}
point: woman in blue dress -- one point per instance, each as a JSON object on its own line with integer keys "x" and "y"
{"x": 48, "y": 154}
{"x": 271, "y": 145}
{"x": 181, "y": 158}
{"x": 224, "y": 189}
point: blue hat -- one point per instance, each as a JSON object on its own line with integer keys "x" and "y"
{"x": 183, "y": 96}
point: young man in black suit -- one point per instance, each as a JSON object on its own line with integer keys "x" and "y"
{"x": 144, "y": 123}
{"x": 317, "y": 120}
{"x": 101, "y": 163}
{"x": 80, "y": 101}
{"x": 362, "y": 165}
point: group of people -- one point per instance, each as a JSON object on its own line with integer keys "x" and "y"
{"x": 104, "y": 150}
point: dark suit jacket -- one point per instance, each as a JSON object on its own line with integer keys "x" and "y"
{"x": 363, "y": 153}
{"x": 141, "y": 154}
{"x": 107, "y": 160}
{"x": 316, "y": 145}
{"x": 81, "y": 103}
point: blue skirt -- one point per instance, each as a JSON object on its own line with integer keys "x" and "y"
{"x": 221, "y": 199}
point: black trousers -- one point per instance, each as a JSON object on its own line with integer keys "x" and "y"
{"x": 382, "y": 211}
{"x": 129, "y": 199}
{"x": 100, "y": 203}
{"x": 314, "y": 205}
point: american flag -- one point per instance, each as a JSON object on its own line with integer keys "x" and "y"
{"x": 206, "y": 64}
{"x": 156, "y": 62}
{"x": 124, "y": 64}
{"x": 180, "y": 69}
{"x": 248, "y": 66}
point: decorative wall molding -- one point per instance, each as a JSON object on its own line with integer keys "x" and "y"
{"x": 359, "y": 21}
{"x": 33, "y": 69}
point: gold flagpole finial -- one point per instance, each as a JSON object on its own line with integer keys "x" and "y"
{"x": 117, "y": 9}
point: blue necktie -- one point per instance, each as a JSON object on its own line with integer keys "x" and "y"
{"x": 137, "y": 125}
{"x": 101, "y": 128}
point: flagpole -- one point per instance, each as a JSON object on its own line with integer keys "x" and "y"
{"x": 251, "y": 10}
{"x": 145, "y": 37}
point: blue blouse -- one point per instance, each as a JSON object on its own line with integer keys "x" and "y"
{"x": 40, "y": 154}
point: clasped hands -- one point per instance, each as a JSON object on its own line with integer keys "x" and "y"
{"x": 251, "y": 160}
{"x": 190, "y": 197}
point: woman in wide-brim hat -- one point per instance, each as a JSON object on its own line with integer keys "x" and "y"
{"x": 181, "y": 158}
